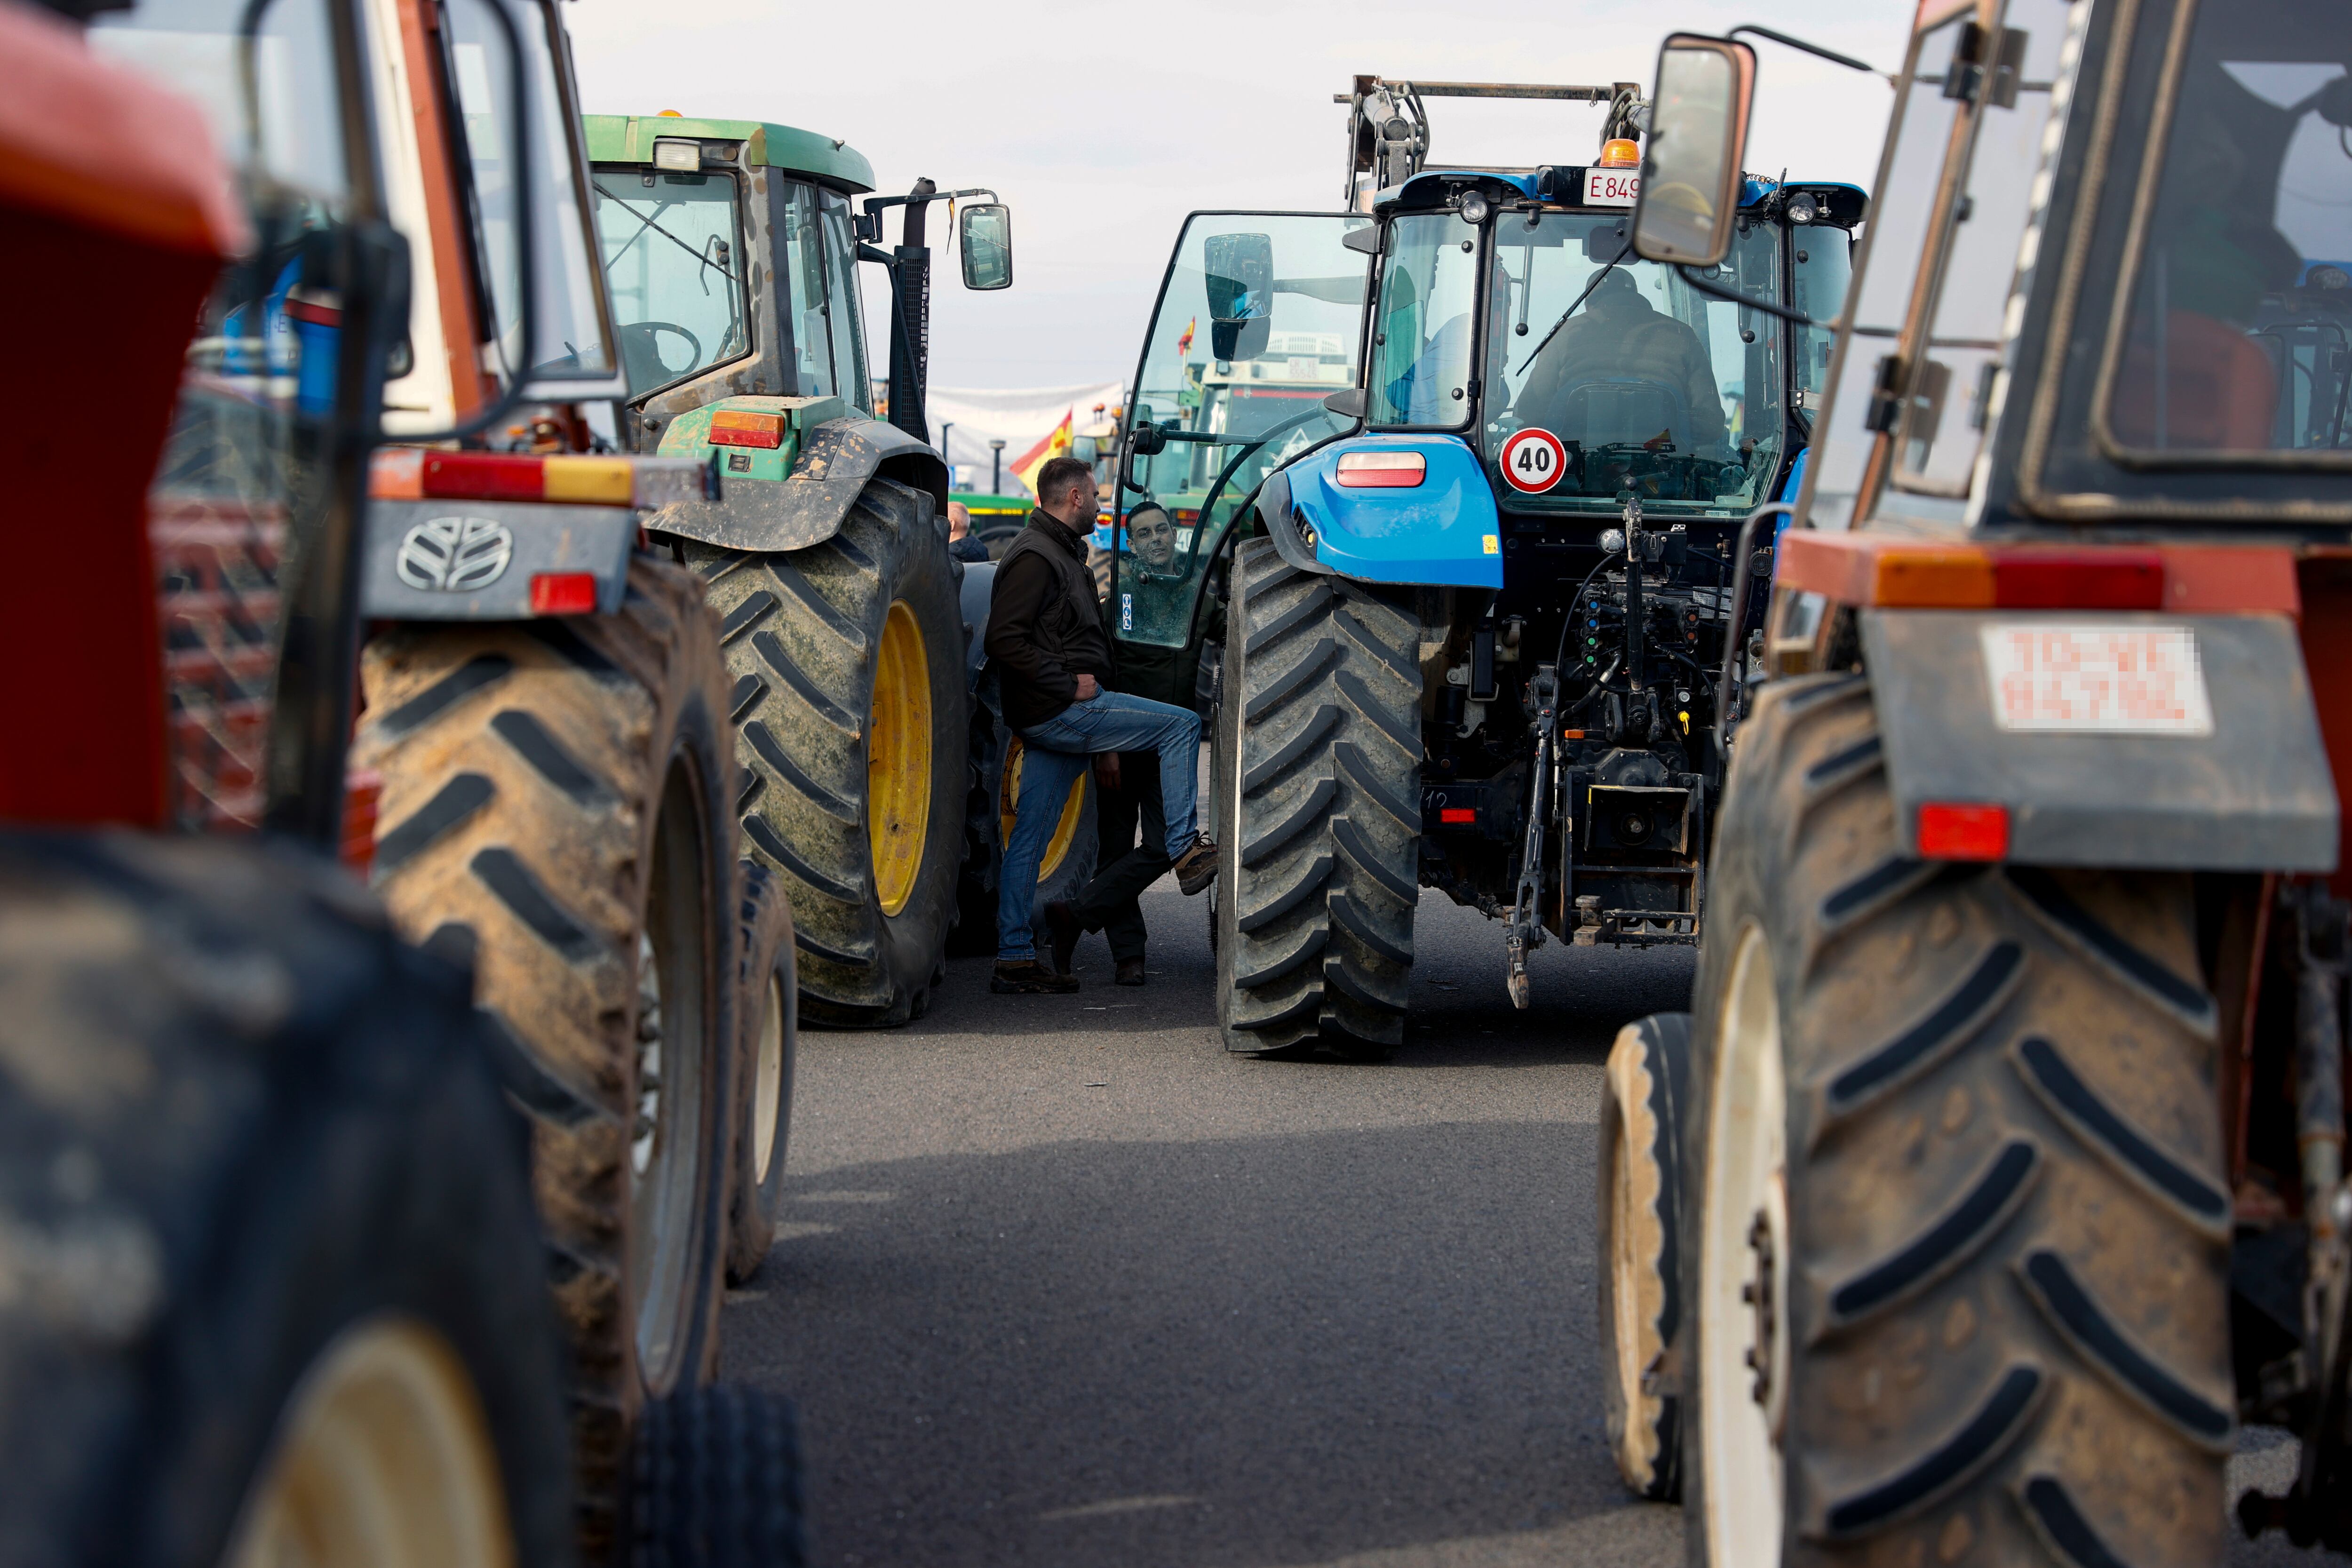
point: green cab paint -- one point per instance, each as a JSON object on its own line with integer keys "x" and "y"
{"x": 630, "y": 138}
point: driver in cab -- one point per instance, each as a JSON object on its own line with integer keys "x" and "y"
{"x": 1619, "y": 336}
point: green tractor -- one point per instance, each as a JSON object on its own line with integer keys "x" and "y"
{"x": 731, "y": 252}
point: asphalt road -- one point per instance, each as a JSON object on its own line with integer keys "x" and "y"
{"x": 1064, "y": 1284}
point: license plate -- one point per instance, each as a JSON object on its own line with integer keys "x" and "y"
{"x": 2130, "y": 681}
{"x": 1610, "y": 187}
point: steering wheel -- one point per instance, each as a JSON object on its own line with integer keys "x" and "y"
{"x": 641, "y": 337}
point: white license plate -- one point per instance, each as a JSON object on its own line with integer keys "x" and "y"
{"x": 2129, "y": 680}
{"x": 1610, "y": 187}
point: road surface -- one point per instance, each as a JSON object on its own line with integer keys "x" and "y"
{"x": 1064, "y": 1285}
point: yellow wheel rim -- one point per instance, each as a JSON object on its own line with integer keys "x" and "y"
{"x": 1008, "y": 804}
{"x": 898, "y": 759}
{"x": 382, "y": 1460}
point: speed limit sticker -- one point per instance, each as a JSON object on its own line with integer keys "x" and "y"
{"x": 1533, "y": 459}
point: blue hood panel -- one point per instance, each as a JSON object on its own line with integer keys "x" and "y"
{"x": 1444, "y": 533}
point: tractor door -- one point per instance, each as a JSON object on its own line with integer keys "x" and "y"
{"x": 1260, "y": 320}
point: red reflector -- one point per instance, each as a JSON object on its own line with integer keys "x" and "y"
{"x": 740, "y": 428}
{"x": 562, "y": 593}
{"x": 1456, "y": 813}
{"x": 2107, "y": 580}
{"x": 1382, "y": 470}
{"x": 1953, "y": 832}
{"x": 482, "y": 475}
{"x": 362, "y": 792}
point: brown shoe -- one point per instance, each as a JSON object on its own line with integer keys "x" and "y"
{"x": 1062, "y": 925}
{"x": 1027, "y": 977}
{"x": 1130, "y": 972}
{"x": 1197, "y": 867}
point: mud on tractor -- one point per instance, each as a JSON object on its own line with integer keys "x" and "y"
{"x": 1460, "y": 479}
{"x": 1996, "y": 1176}
{"x": 732, "y": 249}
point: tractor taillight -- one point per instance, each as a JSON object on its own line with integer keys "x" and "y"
{"x": 740, "y": 428}
{"x": 562, "y": 593}
{"x": 419, "y": 473}
{"x": 1898, "y": 573}
{"x": 1956, "y": 831}
{"x": 1382, "y": 470}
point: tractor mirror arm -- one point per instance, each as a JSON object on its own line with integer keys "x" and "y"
{"x": 1831, "y": 55}
{"x": 1691, "y": 277}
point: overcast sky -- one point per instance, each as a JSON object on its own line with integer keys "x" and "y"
{"x": 1103, "y": 127}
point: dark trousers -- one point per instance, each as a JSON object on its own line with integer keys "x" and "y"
{"x": 1123, "y": 866}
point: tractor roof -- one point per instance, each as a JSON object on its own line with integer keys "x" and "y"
{"x": 1433, "y": 186}
{"x": 629, "y": 139}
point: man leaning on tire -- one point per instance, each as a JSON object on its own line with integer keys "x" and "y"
{"x": 1053, "y": 656}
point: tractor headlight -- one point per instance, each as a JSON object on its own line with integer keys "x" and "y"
{"x": 1473, "y": 208}
{"x": 1612, "y": 541}
{"x": 683, "y": 156}
{"x": 1803, "y": 208}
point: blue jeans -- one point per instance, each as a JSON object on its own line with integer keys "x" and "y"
{"x": 1054, "y": 754}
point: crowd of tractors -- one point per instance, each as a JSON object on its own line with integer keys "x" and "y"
{"x": 501, "y": 680}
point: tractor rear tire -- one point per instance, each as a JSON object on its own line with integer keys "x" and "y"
{"x": 1071, "y": 857}
{"x": 557, "y": 811}
{"x": 832, "y": 650}
{"x": 768, "y": 1009}
{"x": 1952, "y": 1131}
{"x": 271, "y": 1259}
{"x": 1318, "y": 807}
{"x": 1639, "y": 1184}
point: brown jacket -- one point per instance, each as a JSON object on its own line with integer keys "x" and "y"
{"x": 1044, "y": 627}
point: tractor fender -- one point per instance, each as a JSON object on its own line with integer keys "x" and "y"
{"x": 1445, "y": 532}
{"x": 1282, "y": 523}
{"x": 836, "y": 462}
{"x": 2251, "y": 789}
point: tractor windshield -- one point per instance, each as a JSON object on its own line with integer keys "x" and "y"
{"x": 672, "y": 244}
{"x": 1257, "y": 324}
{"x": 1644, "y": 380}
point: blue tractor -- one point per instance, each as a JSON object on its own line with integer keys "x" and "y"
{"x": 1442, "y": 497}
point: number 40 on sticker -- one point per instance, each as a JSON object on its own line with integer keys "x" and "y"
{"x": 1533, "y": 460}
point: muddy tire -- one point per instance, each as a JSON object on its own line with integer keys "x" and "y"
{"x": 847, "y": 661}
{"x": 1639, "y": 1184}
{"x": 1318, "y": 808}
{"x": 557, "y": 811}
{"x": 263, "y": 1203}
{"x": 718, "y": 1482}
{"x": 768, "y": 1010}
{"x": 1953, "y": 1127}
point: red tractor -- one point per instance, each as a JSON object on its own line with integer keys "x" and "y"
{"x": 273, "y": 1283}
{"x": 1995, "y": 1177}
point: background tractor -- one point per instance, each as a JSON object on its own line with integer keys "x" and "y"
{"x": 1477, "y": 549}
{"x": 1995, "y": 1175}
{"x": 732, "y": 253}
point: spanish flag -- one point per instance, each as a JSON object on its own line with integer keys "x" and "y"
{"x": 1184, "y": 343}
{"x": 1056, "y": 444}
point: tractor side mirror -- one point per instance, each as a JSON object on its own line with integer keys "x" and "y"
{"x": 1239, "y": 270}
{"x": 1690, "y": 170}
{"x": 985, "y": 236}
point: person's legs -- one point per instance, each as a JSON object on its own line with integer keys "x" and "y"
{"x": 1115, "y": 722}
{"x": 1046, "y": 775}
{"x": 1112, "y": 901}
